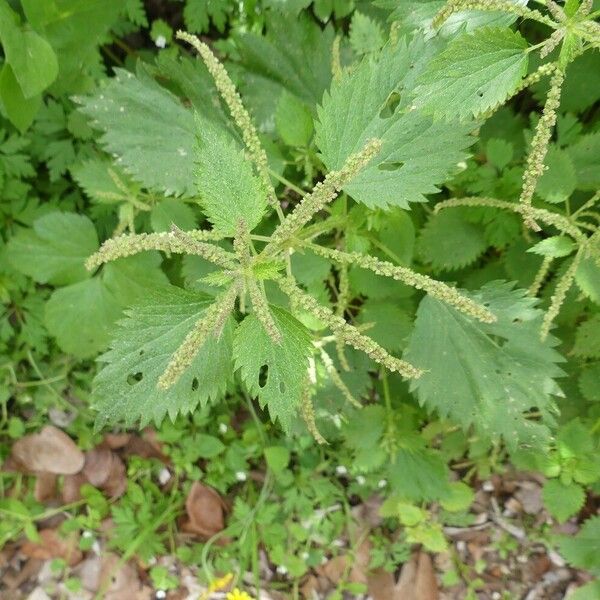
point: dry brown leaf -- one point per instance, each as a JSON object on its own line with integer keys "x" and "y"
{"x": 50, "y": 451}
{"x": 114, "y": 441}
{"x": 380, "y": 585}
{"x": 52, "y": 545}
{"x": 146, "y": 446}
{"x": 71, "y": 486}
{"x": 360, "y": 563}
{"x": 106, "y": 574}
{"x": 205, "y": 510}
{"x": 98, "y": 466}
{"x": 45, "y": 487}
{"x": 417, "y": 580}
{"x": 335, "y": 568}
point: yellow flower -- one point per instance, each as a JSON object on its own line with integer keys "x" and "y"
{"x": 236, "y": 594}
{"x": 216, "y": 585}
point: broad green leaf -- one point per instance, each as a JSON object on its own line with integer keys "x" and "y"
{"x": 82, "y": 316}
{"x": 562, "y": 501}
{"x": 499, "y": 152}
{"x": 585, "y": 156}
{"x": 389, "y": 323}
{"x": 75, "y": 29}
{"x": 449, "y": 241}
{"x": 587, "y": 591}
{"x": 460, "y": 497}
{"x": 55, "y": 250}
{"x": 228, "y": 188}
{"x": 487, "y": 375}
{"x": 365, "y": 34}
{"x": 418, "y": 474}
{"x": 413, "y": 15}
{"x": 371, "y": 101}
{"x": 559, "y": 180}
{"x": 149, "y": 130}
{"x": 170, "y": 211}
{"x": 30, "y": 56}
{"x": 588, "y": 278}
{"x": 100, "y": 181}
{"x": 275, "y": 373}
{"x": 125, "y": 390}
{"x": 475, "y": 72}
{"x": 294, "y": 121}
{"x": 556, "y": 246}
{"x": 20, "y": 110}
{"x": 295, "y": 53}
{"x": 583, "y": 550}
{"x": 587, "y": 338}
{"x": 278, "y": 457}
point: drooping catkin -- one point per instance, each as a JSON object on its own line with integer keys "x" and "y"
{"x": 547, "y": 217}
{"x": 346, "y": 332}
{"x": 540, "y": 276}
{"x": 239, "y": 114}
{"x": 539, "y": 147}
{"x": 130, "y": 244}
{"x": 434, "y": 288}
{"x": 323, "y": 193}
{"x": 307, "y": 410}
{"x": 560, "y": 292}
{"x": 262, "y": 311}
{"x": 211, "y": 322}
{"x": 453, "y": 6}
{"x": 337, "y": 380}
{"x": 241, "y": 243}
{"x": 343, "y": 300}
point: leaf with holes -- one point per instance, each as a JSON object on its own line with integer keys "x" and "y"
{"x": 373, "y": 101}
{"x": 275, "y": 373}
{"x": 487, "y": 375}
{"x": 125, "y": 390}
{"x": 475, "y": 72}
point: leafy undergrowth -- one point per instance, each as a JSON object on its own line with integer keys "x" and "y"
{"x": 300, "y": 299}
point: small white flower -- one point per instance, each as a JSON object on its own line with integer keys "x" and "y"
{"x": 382, "y": 483}
{"x": 161, "y": 594}
{"x": 304, "y": 555}
{"x": 337, "y": 543}
{"x": 241, "y": 476}
{"x": 360, "y": 480}
{"x": 223, "y": 428}
{"x": 282, "y": 570}
{"x": 87, "y": 534}
{"x": 341, "y": 470}
{"x": 161, "y": 41}
{"x": 164, "y": 476}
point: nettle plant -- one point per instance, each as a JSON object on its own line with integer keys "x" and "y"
{"x": 390, "y": 129}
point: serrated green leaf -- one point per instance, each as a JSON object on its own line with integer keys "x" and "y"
{"x": 82, "y": 316}
{"x": 284, "y": 367}
{"x": 459, "y": 498}
{"x": 125, "y": 390}
{"x": 556, "y": 246}
{"x": 449, "y": 241}
{"x": 169, "y": 212}
{"x": 97, "y": 179}
{"x": 499, "y": 152}
{"x": 487, "y": 375}
{"x": 229, "y": 190}
{"x": 148, "y": 129}
{"x": 55, "y": 250}
{"x": 365, "y": 34}
{"x": 295, "y": 53}
{"x": 583, "y": 550}
{"x": 562, "y": 501}
{"x": 587, "y": 338}
{"x": 475, "y": 72}
{"x": 417, "y": 153}
{"x": 419, "y": 474}
{"x": 588, "y": 278}
{"x": 585, "y": 156}
{"x": 559, "y": 180}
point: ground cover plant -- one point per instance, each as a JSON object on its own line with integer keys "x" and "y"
{"x": 299, "y": 295}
